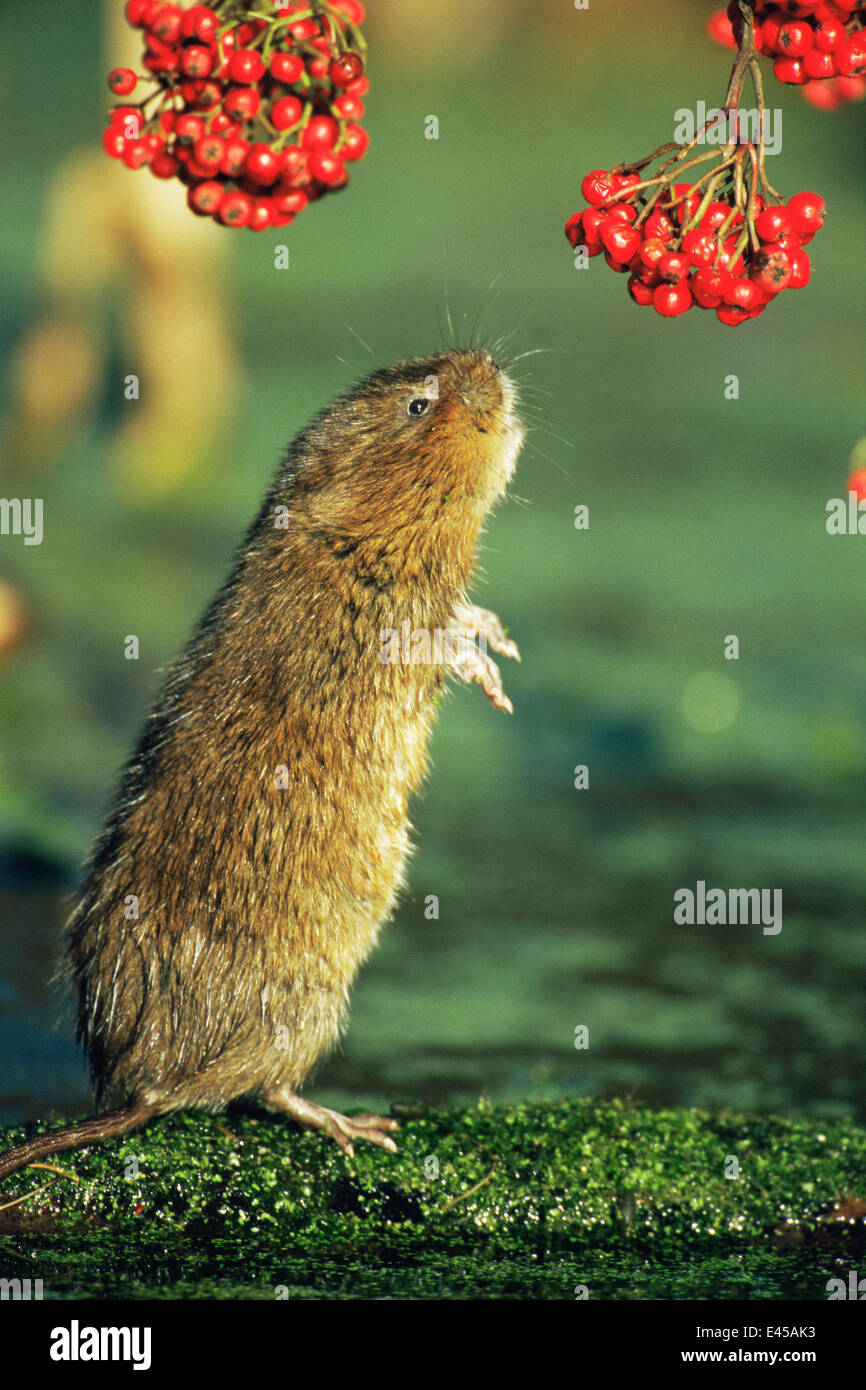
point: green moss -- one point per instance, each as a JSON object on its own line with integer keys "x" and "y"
{"x": 529, "y": 1201}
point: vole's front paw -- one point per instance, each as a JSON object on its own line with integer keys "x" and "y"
{"x": 471, "y": 663}
{"x": 480, "y": 622}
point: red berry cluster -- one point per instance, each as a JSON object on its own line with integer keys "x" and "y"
{"x": 819, "y": 47}
{"x": 256, "y": 116}
{"x": 682, "y": 247}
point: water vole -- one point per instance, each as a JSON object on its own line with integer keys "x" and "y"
{"x": 258, "y": 839}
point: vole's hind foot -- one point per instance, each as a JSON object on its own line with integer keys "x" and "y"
{"x": 341, "y": 1128}
{"x": 476, "y": 622}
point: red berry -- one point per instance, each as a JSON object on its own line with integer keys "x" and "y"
{"x": 829, "y": 35}
{"x": 708, "y": 286}
{"x": 651, "y": 251}
{"x": 242, "y": 104}
{"x": 574, "y": 229}
{"x": 286, "y": 112}
{"x": 658, "y": 225}
{"x": 689, "y": 205}
{"x": 795, "y": 39}
{"x": 819, "y": 66}
{"x": 700, "y": 247}
{"x": 260, "y": 217}
{"x": 790, "y": 241}
{"x": 345, "y": 69}
{"x": 206, "y": 197}
{"x": 729, "y": 314}
{"x": 122, "y": 81}
{"x": 197, "y": 61}
{"x": 640, "y": 293}
{"x": 208, "y": 151}
{"x": 294, "y": 166}
{"x": 292, "y": 201}
{"x": 857, "y": 483}
{"x": 164, "y": 166}
{"x": 823, "y": 95}
{"x": 807, "y": 211}
{"x": 246, "y": 66}
{"x": 672, "y": 300}
{"x": 643, "y": 273}
{"x": 672, "y": 267}
{"x": 327, "y": 167}
{"x": 320, "y": 133}
{"x": 715, "y": 215}
{"x": 718, "y": 27}
{"x": 304, "y": 29}
{"x": 349, "y": 107}
{"x": 740, "y": 293}
{"x": 620, "y": 240}
{"x": 800, "y": 270}
{"x": 205, "y": 24}
{"x": 355, "y": 142}
{"x": 790, "y": 70}
{"x": 114, "y": 142}
{"x": 188, "y": 128}
{"x": 596, "y": 187}
{"x": 167, "y": 22}
{"x": 351, "y": 10}
{"x": 620, "y": 267}
{"x": 234, "y": 156}
{"x": 235, "y": 209}
{"x": 262, "y": 165}
{"x": 621, "y": 183}
{"x": 770, "y": 27}
{"x": 286, "y": 68}
{"x": 772, "y": 223}
{"x": 203, "y": 95}
{"x": 729, "y": 257}
{"x": 770, "y": 268}
{"x": 851, "y": 55}
{"x": 135, "y": 154}
{"x": 851, "y": 88}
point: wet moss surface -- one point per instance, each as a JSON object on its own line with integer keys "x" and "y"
{"x": 528, "y": 1201}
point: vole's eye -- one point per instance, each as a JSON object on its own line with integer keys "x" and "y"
{"x": 417, "y": 406}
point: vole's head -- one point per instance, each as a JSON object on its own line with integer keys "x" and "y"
{"x": 418, "y": 450}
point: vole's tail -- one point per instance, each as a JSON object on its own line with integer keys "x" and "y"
{"x": 106, "y": 1126}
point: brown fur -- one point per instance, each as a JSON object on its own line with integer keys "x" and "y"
{"x": 257, "y": 906}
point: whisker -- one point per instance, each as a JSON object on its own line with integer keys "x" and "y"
{"x": 358, "y": 336}
{"x": 531, "y": 445}
{"x": 560, "y": 439}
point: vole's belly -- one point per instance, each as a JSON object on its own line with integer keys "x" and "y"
{"x": 255, "y": 912}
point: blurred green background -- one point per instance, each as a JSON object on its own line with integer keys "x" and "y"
{"x": 706, "y": 518}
